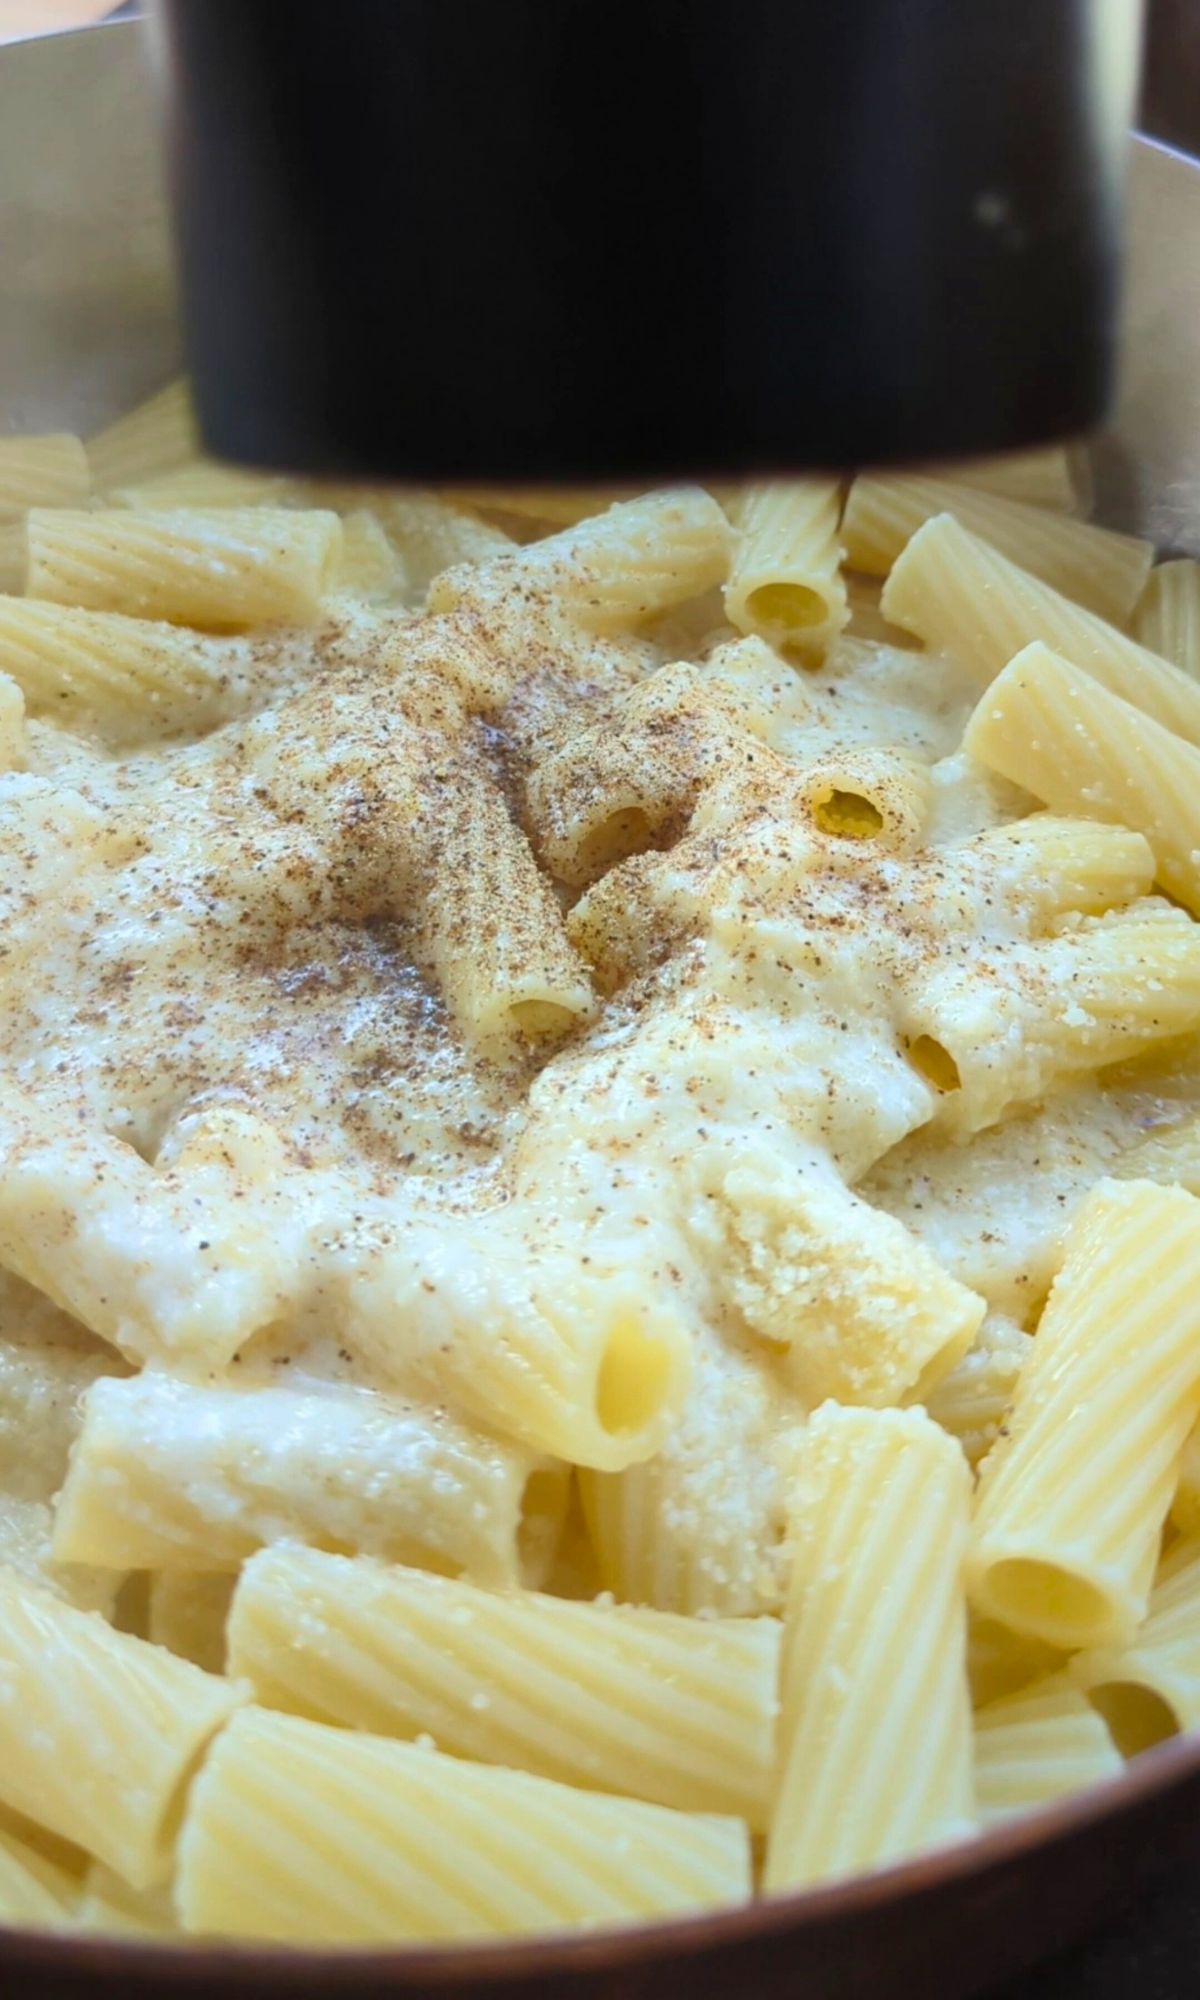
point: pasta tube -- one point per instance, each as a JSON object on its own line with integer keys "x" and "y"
{"x": 315, "y": 1836}
{"x": 617, "y": 1700}
{"x": 1095, "y": 567}
{"x": 1071, "y": 1503}
{"x": 222, "y": 569}
{"x": 786, "y": 583}
{"x": 875, "y": 1727}
{"x": 99, "y": 1732}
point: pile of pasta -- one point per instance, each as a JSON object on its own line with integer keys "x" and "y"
{"x": 599, "y": 1186}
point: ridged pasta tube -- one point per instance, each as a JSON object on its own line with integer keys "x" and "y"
{"x": 1072, "y": 1501}
{"x": 877, "y": 796}
{"x": 203, "y": 482}
{"x": 178, "y": 1476}
{"x": 1061, "y": 864}
{"x": 1168, "y": 614}
{"x": 786, "y": 582}
{"x": 1095, "y": 567}
{"x": 614, "y": 570}
{"x": 1078, "y": 747}
{"x": 188, "y": 1261}
{"x": 865, "y": 1312}
{"x": 699, "y": 1527}
{"x": 50, "y": 470}
{"x": 876, "y": 1725}
{"x": 130, "y": 677}
{"x": 316, "y": 1836}
{"x": 1041, "y": 1744}
{"x": 641, "y": 1703}
{"x": 1150, "y": 1688}
{"x": 961, "y": 596}
{"x": 628, "y": 783}
{"x": 158, "y": 434}
{"x": 1054, "y": 477}
{"x": 220, "y": 569}
{"x": 99, "y": 1732}
{"x": 508, "y": 971}
{"x": 562, "y": 506}
{"x": 431, "y": 536}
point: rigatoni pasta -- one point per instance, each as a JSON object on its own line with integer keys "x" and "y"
{"x": 502, "y": 1021}
{"x": 876, "y": 1734}
{"x": 389, "y": 1841}
{"x": 613, "y": 1699}
{"x": 1072, "y": 1501}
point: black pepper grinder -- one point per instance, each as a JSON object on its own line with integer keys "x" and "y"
{"x": 631, "y": 239}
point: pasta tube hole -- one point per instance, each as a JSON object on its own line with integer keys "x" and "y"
{"x": 538, "y": 1020}
{"x": 1053, "y": 1603}
{"x": 933, "y": 1060}
{"x": 846, "y": 815}
{"x": 633, "y": 1380}
{"x": 1137, "y": 1718}
{"x": 622, "y": 834}
{"x": 792, "y": 606}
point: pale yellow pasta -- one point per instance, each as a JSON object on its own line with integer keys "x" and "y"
{"x": 36, "y": 1893}
{"x": 1130, "y": 977}
{"x": 27, "y": 1550}
{"x": 46, "y": 1364}
{"x": 1001, "y": 1662}
{"x": 1041, "y": 1744}
{"x": 109, "y": 1907}
{"x": 961, "y": 596}
{"x": 875, "y": 1726}
{"x": 200, "y": 1282}
{"x": 127, "y": 678}
{"x": 628, "y": 783}
{"x": 881, "y": 796}
{"x": 50, "y": 470}
{"x": 613, "y": 571}
{"x": 1150, "y": 1689}
{"x": 368, "y": 567}
{"x": 220, "y": 569}
{"x": 613, "y": 1699}
{"x": 1062, "y": 865}
{"x": 864, "y": 1311}
{"x": 171, "y": 1475}
{"x": 698, "y": 1528}
{"x": 99, "y": 1732}
{"x": 1096, "y": 567}
{"x": 785, "y": 582}
{"x": 557, "y": 506}
{"x": 1078, "y": 747}
{"x": 973, "y": 1400}
{"x": 314, "y": 1835}
{"x": 1072, "y": 1501}
{"x": 159, "y": 434}
{"x": 203, "y": 482}
{"x": 1053, "y": 477}
{"x": 496, "y": 933}
{"x": 430, "y": 535}
{"x": 187, "y": 1613}
{"x": 1168, "y": 614}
